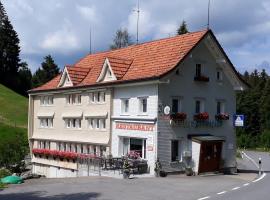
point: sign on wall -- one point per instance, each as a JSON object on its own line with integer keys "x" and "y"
{"x": 134, "y": 126}
{"x": 238, "y": 120}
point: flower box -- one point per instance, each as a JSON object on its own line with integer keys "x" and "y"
{"x": 201, "y": 116}
{"x": 181, "y": 116}
{"x": 61, "y": 154}
{"x": 201, "y": 78}
{"x": 222, "y": 116}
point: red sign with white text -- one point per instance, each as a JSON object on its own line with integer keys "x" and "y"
{"x": 134, "y": 126}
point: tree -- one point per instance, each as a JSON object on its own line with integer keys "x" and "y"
{"x": 182, "y": 29}
{"x": 9, "y": 52}
{"x": 25, "y": 79}
{"x": 47, "y": 72}
{"x": 121, "y": 39}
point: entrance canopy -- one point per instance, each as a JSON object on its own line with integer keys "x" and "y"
{"x": 207, "y": 139}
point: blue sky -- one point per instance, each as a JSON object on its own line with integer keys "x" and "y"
{"x": 61, "y": 27}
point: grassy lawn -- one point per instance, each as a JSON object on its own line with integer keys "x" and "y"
{"x": 13, "y": 107}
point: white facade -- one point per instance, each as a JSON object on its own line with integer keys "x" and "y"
{"x": 120, "y": 135}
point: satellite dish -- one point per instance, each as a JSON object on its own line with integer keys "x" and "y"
{"x": 167, "y": 110}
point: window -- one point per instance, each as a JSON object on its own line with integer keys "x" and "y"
{"x": 73, "y": 123}
{"x": 74, "y": 99}
{"x": 176, "y": 105}
{"x": 143, "y": 105}
{"x": 46, "y": 122}
{"x": 103, "y": 123}
{"x": 220, "y": 107}
{"x": 198, "y": 106}
{"x": 46, "y": 100}
{"x": 97, "y": 97}
{"x": 198, "y": 70}
{"x": 134, "y": 144}
{"x": 98, "y": 124}
{"x": 125, "y": 106}
{"x": 219, "y": 75}
{"x": 176, "y": 150}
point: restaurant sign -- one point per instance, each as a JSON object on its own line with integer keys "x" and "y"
{"x": 134, "y": 126}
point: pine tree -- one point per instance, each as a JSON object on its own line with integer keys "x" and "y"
{"x": 47, "y": 72}
{"x": 182, "y": 29}
{"x": 121, "y": 39}
{"x": 25, "y": 79}
{"x": 9, "y": 51}
{"x": 265, "y": 106}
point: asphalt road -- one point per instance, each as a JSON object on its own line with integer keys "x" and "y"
{"x": 173, "y": 187}
{"x": 259, "y": 190}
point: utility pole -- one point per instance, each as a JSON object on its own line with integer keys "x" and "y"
{"x": 208, "y": 16}
{"x": 138, "y": 16}
{"x": 90, "y": 40}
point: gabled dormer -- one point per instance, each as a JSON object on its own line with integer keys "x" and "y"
{"x": 114, "y": 69}
{"x": 65, "y": 80}
{"x": 72, "y": 76}
{"x": 106, "y": 73}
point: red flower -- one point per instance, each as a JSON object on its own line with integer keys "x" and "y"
{"x": 222, "y": 116}
{"x": 178, "y": 116}
{"x": 201, "y": 116}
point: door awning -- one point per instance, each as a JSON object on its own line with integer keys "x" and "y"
{"x": 207, "y": 138}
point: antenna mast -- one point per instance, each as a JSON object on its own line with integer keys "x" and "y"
{"x": 90, "y": 40}
{"x": 138, "y": 16}
{"x": 208, "y": 17}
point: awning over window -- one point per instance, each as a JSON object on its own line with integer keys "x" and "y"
{"x": 74, "y": 114}
{"x": 96, "y": 114}
{"x": 45, "y": 115}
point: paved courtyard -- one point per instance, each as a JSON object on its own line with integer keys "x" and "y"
{"x": 174, "y": 186}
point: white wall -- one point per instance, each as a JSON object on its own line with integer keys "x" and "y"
{"x": 135, "y": 117}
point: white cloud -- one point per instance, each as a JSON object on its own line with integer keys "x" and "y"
{"x": 89, "y": 13}
{"x": 63, "y": 41}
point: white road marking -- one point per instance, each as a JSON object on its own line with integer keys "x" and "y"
{"x": 252, "y": 160}
{"x": 204, "y": 198}
{"x": 260, "y": 178}
{"x": 223, "y": 192}
{"x": 236, "y": 188}
{"x": 246, "y": 184}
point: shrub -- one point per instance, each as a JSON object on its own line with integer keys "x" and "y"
{"x": 265, "y": 139}
{"x": 4, "y": 173}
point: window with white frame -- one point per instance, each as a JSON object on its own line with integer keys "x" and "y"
{"x": 220, "y": 107}
{"x": 75, "y": 99}
{"x": 73, "y": 123}
{"x": 46, "y": 100}
{"x": 199, "y": 106}
{"x": 176, "y": 104}
{"x": 143, "y": 104}
{"x": 97, "y": 124}
{"x": 46, "y": 122}
{"x": 124, "y": 106}
{"x": 97, "y": 97}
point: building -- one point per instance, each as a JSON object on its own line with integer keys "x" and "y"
{"x": 171, "y": 99}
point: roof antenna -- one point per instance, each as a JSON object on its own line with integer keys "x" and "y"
{"x": 138, "y": 16}
{"x": 208, "y": 18}
{"x": 90, "y": 40}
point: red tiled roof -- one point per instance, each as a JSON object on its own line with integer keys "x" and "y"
{"x": 146, "y": 60}
{"x": 77, "y": 74}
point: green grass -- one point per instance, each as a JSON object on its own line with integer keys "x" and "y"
{"x": 7, "y": 132}
{"x": 13, "y": 107}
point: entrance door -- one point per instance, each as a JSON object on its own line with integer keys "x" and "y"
{"x": 210, "y": 156}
